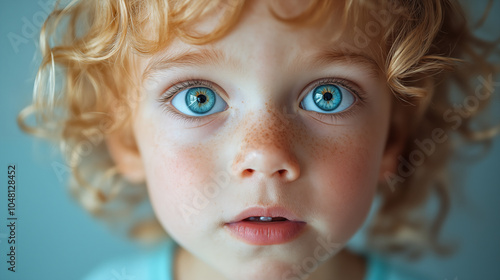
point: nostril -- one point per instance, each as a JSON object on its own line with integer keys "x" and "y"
{"x": 247, "y": 172}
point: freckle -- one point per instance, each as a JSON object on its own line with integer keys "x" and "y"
{"x": 326, "y": 149}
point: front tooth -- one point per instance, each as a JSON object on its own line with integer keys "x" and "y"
{"x": 266, "y": 219}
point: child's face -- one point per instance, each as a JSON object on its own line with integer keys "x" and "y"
{"x": 262, "y": 145}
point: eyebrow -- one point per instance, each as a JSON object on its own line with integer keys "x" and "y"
{"x": 334, "y": 56}
{"x": 193, "y": 58}
{"x": 324, "y": 57}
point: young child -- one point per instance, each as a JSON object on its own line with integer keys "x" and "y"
{"x": 263, "y": 131}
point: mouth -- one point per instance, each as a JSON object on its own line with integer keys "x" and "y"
{"x": 263, "y": 219}
{"x": 265, "y": 226}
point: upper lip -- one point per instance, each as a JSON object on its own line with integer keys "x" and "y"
{"x": 265, "y": 212}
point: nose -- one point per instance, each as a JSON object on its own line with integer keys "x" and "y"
{"x": 269, "y": 163}
{"x": 266, "y": 152}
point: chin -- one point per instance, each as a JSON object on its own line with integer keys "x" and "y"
{"x": 268, "y": 269}
{"x": 262, "y": 271}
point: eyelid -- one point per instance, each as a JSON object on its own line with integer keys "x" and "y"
{"x": 178, "y": 86}
{"x": 349, "y": 85}
{"x": 333, "y": 118}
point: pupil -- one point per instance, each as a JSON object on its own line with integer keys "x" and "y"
{"x": 201, "y": 98}
{"x": 327, "y": 96}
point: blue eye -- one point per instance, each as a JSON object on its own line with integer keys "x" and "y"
{"x": 198, "y": 101}
{"x": 328, "y": 98}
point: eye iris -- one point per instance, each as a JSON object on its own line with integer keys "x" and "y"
{"x": 327, "y": 97}
{"x": 200, "y": 99}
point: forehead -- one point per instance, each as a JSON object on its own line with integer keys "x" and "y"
{"x": 260, "y": 37}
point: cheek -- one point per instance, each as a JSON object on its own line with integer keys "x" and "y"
{"x": 176, "y": 176}
{"x": 346, "y": 172}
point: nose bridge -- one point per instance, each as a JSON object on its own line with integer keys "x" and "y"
{"x": 267, "y": 146}
{"x": 267, "y": 130}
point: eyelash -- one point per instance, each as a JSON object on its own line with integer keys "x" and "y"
{"x": 176, "y": 87}
{"x": 180, "y": 85}
{"x": 359, "y": 95}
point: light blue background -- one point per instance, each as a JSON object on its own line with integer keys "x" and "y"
{"x": 57, "y": 239}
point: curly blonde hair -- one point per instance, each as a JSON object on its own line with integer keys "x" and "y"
{"x": 426, "y": 50}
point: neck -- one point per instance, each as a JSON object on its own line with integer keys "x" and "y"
{"x": 344, "y": 265}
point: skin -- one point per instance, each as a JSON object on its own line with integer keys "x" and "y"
{"x": 265, "y": 149}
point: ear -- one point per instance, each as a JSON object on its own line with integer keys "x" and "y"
{"x": 399, "y": 129}
{"x": 126, "y": 156}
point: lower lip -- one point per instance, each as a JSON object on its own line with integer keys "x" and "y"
{"x": 269, "y": 233}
